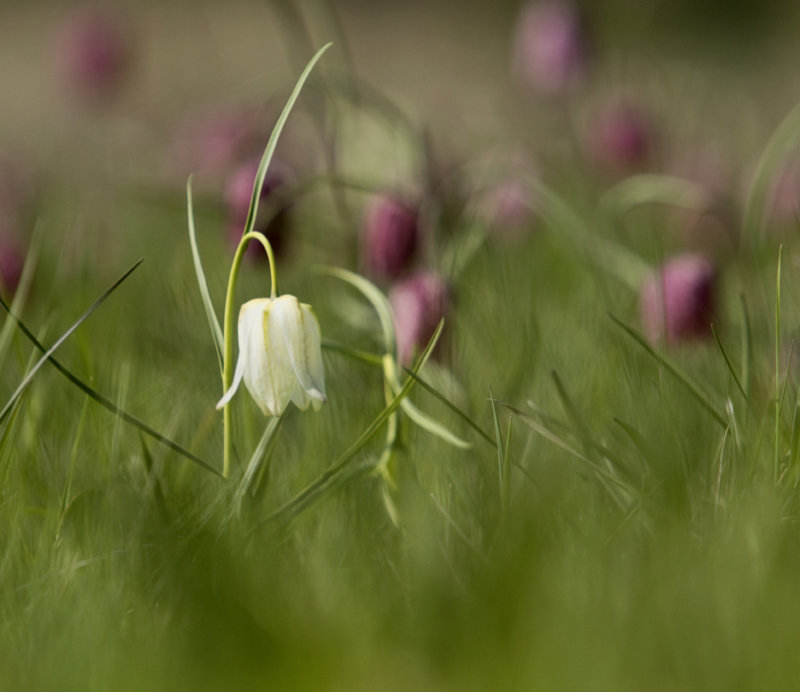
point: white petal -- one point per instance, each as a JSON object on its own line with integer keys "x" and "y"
{"x": 237, "y": 380}
{"x": 297, "y": 326}
{"x": 249, "y": 311}
{"x": 269, "y": 377}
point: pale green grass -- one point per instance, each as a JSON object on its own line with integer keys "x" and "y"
{"x": 624, "y": 518}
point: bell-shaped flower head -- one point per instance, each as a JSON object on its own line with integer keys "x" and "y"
{"x": 280, "y": 355}
{"x": 390, "y": 236}
{"x": 677, "y": 302}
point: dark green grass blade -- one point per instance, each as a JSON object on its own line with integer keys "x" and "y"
{"x": 501, "y": 480}
{"x": 548, "y": 434}
{"x": 332, "y": 477}
{"x": 728, "y": 362}
{"x": 702, "y": 397}
{"x": 747, "y": 346}
{"x": 32, "y": 373}
{"x": 103, "y": 401}
{"x": 422, "y": 383}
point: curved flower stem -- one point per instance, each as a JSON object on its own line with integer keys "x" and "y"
{"x": 227, "y": 337}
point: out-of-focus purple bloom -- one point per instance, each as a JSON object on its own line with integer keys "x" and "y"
{"x": 549, "y": 50}
{"x": 12, "y": 261}
{"x": 621, "y": 138}
{"x": 213, "y": 142}
{"x": 272, "y": 216}
{"x": 508, "y": 207}
{"x": 418, "y": 304}
{"x": 390, "y": 236}
{"x": 677, "y": 303}
{"x": 93, "y": 52}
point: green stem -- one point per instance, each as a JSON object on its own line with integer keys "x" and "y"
{"x": 227, "y": 351}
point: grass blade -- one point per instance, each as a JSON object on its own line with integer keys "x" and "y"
{"x": 32, "y": 373}
{"x": 331, "y": 477}
{"x": 105, "y": 402}
{"x": 782, "y": 144}
{"x": 375, "y": 296}
{"x": 778, "y": 392}
{"x": 211, "y": 315}
{"x": 702, "y": 397}
{"x": 728, "y": 362}
{"x": 422, "y": 383}
{"x": 425, "y": 422}
{"x": 269, "y": 151}
{"x": 747, "y": 346}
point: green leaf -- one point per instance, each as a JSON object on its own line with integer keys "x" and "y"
{"x": 269, "y": 151}
{"x": 208, "y": 306}
{"x": 422, "y": 383}
{"x": 425, "y": 422}
{"x": 375, "y": 296}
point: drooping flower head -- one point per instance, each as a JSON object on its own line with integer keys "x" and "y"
{"x": 390, "y": 236}
{"x": 418, "y": 304}
{"x": 621, "y": 138}
{"x": 280, "y": 355}
{"x": 677, "y": 302}
{"x": 93, "y": 52}
{"x": 549, "y": 51}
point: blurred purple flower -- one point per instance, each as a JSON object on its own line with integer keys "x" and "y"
{"x": 390, "y": 236}
{"x": 272, "y": 216}
{"x": 678, "y": 301}
{"x": 418, "y": 304}
{"x": 549, "y": 49}
{"x": 12, "y": 261}
{"x": 212, "y": 143}
{"x": 508, "y": 208}
{"x": 621, "y": 138}
{"x": 93, "y": 52}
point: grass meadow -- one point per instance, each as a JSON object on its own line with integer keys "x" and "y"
{"x": 584, "y": 493}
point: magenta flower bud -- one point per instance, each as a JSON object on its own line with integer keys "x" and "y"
{"x": 549, "y": 48}
{"x": 390, "y": 237}
{"x": 621, "y": 138}
{"x": 273, "y": 207}
{"x": 677, "y": 303}
{"x": 93, "y": 52}
{"x": 418, "y": 304}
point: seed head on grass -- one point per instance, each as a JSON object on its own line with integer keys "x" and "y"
{"x": 678, "y": 301}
